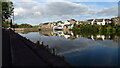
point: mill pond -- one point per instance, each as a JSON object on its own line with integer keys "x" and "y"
{"x": 80, "y": 50}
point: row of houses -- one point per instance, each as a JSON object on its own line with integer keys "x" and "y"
{"x": 70, "y": 23}
{"x": 65, "y": 25}
{"x": 59, "y": 25}
{"x": 116, "y": 20}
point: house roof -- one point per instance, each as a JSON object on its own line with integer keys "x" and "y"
{"x": 45, "y": 23}
{"x": 84, "y": 21}
{"x": 67, "y": 24}
{"x": 90, "y": 20}
{"x": 71, "y": 20}
{"x": 107, "y": 19}
{"x": 98, "y": 20}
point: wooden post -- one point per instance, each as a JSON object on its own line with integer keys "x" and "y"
{"x": 41, "y": 43}
{"x": 38, "y": 43}
{"x": 62, "y": 57}
{"x": 53, "y": 51}
{"x": 47, "y": 46}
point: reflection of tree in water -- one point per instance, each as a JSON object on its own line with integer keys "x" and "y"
{"x": 98, "y": 36}
{"x": 116, "y": 39}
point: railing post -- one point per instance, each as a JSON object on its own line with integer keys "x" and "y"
{"x": 41, "y": 43}
{"x": 37, "y": 43}
{"x": 53, "y": 51}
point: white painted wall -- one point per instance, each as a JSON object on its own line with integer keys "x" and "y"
{"x": 92, "y": 22}
{"x": 66, "y": 23}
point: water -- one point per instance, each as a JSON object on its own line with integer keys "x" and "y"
{"x": 80, "y": 50}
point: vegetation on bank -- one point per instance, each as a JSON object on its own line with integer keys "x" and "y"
{"x": 97, "y": 29}
{"x": 24, "y": 26}
{"x": 6, "y": 25}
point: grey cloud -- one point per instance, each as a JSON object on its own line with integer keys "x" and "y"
{"x": 53, "y": 11}
{"x": 62, "y": 8}
{"x": 112, "y": 11}
{"x": 50, "y": 11}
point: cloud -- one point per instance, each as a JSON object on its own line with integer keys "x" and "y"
{"x": 3, "y": 0}
{"x": 65, "y": 8}
{"x": 79, "y": 0}
{"x": 37, "y": 12}
{"x": 112, "y": 11}
{"x": 49, "y": 11}
{"x": 93, "y": 0}
{"x": 55, "y": 0}
{"x": 19, "y": 11}
{"x": 24, "y": 1}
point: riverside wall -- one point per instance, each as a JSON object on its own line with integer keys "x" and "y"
{"x": 26, "y": 29}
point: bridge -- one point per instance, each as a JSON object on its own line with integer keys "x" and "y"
{"x": 17, "y": 51}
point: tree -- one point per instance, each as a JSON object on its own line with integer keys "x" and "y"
{"x": 112, "y": 23}
{"x": 7, "y": 12}
{"x": 25, "y": 26}
{"x": 16, "y": 26}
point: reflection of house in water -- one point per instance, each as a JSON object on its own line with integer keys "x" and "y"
{"x": 46, "y": 33}
{"x": 103, "y": 37}
{"x": 66, "y": 34}
{"x": 69, "y": 35}
{"x": 58, "y": 33}
{"x": 98, "y": 37}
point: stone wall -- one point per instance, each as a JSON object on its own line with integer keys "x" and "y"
{"x": 26, "y": 29}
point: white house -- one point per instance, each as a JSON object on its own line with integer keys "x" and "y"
{"x": 59, "y": 26}
{"x": 66, "y": 22}
{"x": 63, "y": 25}
{"x": 98, "y": 21}
{"x": 101, "y": 21}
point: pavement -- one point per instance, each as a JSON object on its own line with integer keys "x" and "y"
{"x": 17, "y": 51}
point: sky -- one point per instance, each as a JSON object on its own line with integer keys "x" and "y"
{"x": 35, "y": 12}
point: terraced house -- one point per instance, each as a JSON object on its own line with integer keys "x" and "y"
{"x": 65, "y": 25}
{"x": 115, "y": 20}
{"x": 46, "y": 26}
{"x": 101, "y": 21}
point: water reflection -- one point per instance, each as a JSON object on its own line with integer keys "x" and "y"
{"x": 71, "y": 35}
{"x": 80, "y": 49}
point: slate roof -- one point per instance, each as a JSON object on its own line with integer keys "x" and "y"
{"x": 98, "y": 20}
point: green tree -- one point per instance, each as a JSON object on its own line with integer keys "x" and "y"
{"x": 16, "y": 26}
{"x": 5, "y": 24}
{"x": 7, "y": 12}
{"x": 112, "y": 23}
{"x": 25, "y": 26}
